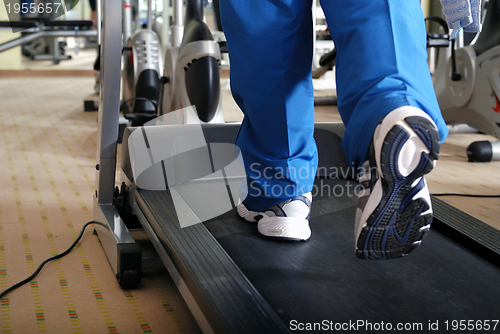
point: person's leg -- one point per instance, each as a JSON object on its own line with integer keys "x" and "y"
{"x": 270, "y": 49}
{"x": 381, "y": 65}
{"x": 387, "y": 102}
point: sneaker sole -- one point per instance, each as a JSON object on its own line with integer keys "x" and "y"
{"x": 396, "y": 227}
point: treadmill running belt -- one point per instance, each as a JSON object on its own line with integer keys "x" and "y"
{"x": 244, "y": 283}
{"x": 322, "y": 280}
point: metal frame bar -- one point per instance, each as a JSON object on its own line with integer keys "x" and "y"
{"x": 149, "y": 22}
{"x": 178, "y": 27}
{"x": 109, "y": 106}
{"x": 49, "y": 33}
{"x": 98, "y": 22}
{"x": 116, "y": 234}
{"x": 127, "y": 21}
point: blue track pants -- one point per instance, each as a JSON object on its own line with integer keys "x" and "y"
{"x": 380, "y": 66}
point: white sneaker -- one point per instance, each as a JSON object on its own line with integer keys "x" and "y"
{"x": 288, "y": 220}
{"x": 394, "y": 208}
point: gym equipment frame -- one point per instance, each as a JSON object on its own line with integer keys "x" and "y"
{"x": 235, "y": 281}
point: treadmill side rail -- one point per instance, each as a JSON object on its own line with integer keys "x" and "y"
{"x": 195, "y": 309}
{"x": 471, "y": 233}
{"x": 220, "y": 296}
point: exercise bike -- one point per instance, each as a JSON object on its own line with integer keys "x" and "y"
{"x": 467, "y": 85}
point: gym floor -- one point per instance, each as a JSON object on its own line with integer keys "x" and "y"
{"x": 48, "y": 147}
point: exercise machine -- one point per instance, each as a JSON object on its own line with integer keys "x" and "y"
{"x": 191, "y": 74}
{"x": 326, "y": 63}
{"x": 192, "y": 68}
{"x": 142, "y": 69}
{"x": 49, "y": 31}
{"x": 235, "y": 281}
{"x": 467, "y": 84}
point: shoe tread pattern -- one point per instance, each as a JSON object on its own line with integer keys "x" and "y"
{"x": 396, "y": 227}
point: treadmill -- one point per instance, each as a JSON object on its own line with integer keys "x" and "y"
{"x": 235, "y": 281}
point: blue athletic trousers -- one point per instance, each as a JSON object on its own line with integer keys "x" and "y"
{"x": 381, "y": 65}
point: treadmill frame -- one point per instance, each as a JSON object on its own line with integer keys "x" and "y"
{"x": 124, "y": 254}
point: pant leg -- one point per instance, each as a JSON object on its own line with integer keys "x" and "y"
{"x": 381, "y": 65}
{"x": 270, "y": 49}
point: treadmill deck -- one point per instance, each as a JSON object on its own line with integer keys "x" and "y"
{"x": 322, "y": 280}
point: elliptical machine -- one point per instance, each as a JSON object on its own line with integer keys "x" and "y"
{"x": 467, "y": 85}
{"x": 142, "y": 69}
{"x": 192, "y": 69}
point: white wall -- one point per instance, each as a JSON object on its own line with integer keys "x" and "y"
{"x": 10, "y": 59}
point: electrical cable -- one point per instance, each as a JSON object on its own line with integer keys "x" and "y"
{"x": 437, "y": 195}
{"x": 466, "y": 195}
{"x": 55, "y": 257}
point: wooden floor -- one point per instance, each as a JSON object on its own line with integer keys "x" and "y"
{"x": 48, "y": 149}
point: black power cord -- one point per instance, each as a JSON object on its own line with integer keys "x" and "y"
{"x": 55, "y": 257}
{"x": 466, "y": 195}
